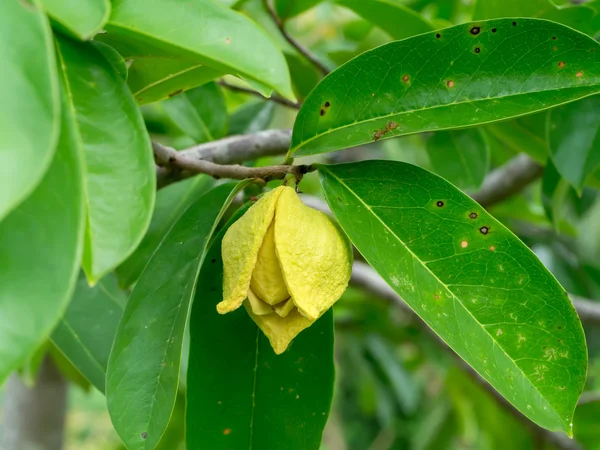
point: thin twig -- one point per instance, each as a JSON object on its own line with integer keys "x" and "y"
{"x": 274, "y": 98}
{"x": 293, "y": 42}
{"x": 168, "y": 157}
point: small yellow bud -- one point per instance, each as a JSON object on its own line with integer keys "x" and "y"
{"x": 286, "y": 263}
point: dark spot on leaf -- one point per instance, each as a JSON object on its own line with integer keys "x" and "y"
{"x": 227, "y": 431}
{"x": 494, "y": 30}
{"x": 592, "y": 50}
{"x": 439, "y": 203}
{"x": 559, "y": 327}
{"x": 544, "y": 347}
{"x": 406, "y": 78}
{"x": 339, "y": 199}
{"x": 514, "y": 24}
{"x": 178, "y": 91}
{"x": 322, "y": 112}
{"x": 327, "y": 104}
{"x": 473, "y": 215}
{"x": 484, "y": 230}
{"x": 579, "y": 74}
{"x": 553, "y": 38}
{"x": 477, "y": 50}
{"x": 475, "y": 30}
{"x": 213, "y": 260}
{"x": 561, "y": 64}
{"x": 392, "y": 125}
{"x": 144, "y": 435}
{"x": 450, "y": 84}
{"x": 438, "y": 35}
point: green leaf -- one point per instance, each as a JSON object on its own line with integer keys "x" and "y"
{"x": 574, "y": 140}
{"x": 29, "y": 110}
{"x": 240, "y": 394}
{"x": 81, "y": 19}
{"x": 153, "y": 79}
{"x": 466, "y": 75}
{"x": 86, "y": 331}
{"x": 251, "y": 117}
{"x": 206, "y": 33}
{"x": 120, "y": 175}
{"x": 470, "y": 279}
{"x": 525, "y": 134}
{"x": 388, "y": 14}
{"x": 286, "y": 9}
{"x": 41, "y": 244}
{"x": 200, "y": 113}
{"x": 113, "y": 57}
{"x": 461, "y": 157}
{"x": 554, "y": 194}
{"x": 171, "y": 201}
{"x": 580, "y": 17}
{"x": 143, "y": 368}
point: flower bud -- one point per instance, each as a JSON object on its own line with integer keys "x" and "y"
{"x": 286, "y": 263}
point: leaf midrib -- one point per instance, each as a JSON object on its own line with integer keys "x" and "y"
{"x": 457, "y": 300}
{"x": 445, "y": 105}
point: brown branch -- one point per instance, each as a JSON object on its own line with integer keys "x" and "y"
{"x": 293, "y": 42}
{"x": 274, "y": 98}
{"x": 507, "y": 180}
{"x": 168, "y": 157}
{"x": 364, "y": 277}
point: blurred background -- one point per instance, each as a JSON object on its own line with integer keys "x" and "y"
{"x": 397, "y": 387}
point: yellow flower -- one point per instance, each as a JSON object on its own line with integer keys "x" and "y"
{"x": 287, "y": 263}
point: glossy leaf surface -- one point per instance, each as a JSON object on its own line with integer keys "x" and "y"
{"x": 580, "y": 17}
{"x": 86, "y": 331}
{"x": 154, "y": 79}
{"x": 79, "y": 18}
{"x": 460, "y": 156}
{"x": 171, "y": 201}
{"x": 574, "y": 140}
{"x": 41, "y": 244}
{"x": 29, "y": 101}
{"x": 470, "y": 279}
{"x": 143, "y": 368}
{"x": 394, "y": 18}
{"x": 206, "y": 33}
{"x": 251, "y": 117}
{"x": 120, "y": 176}
{"x": 465, "y": 75}
{"x": 240, "y": 394}
{"x": 200, "y": 112}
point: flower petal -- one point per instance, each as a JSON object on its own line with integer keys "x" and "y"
{"x": 280, "y": 331}
{"x": 283, "y": 309}
{"x": 267, "y": 280}
{"x": 257, "y": 306}
{"x": 240, "y": 249}
{"x": 315, "y": 257}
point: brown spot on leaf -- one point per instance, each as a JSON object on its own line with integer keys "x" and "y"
{"x": 228, "y": 40}
{"x": 484, "y": 230}
{"x": 227, "y": 431}
{"x": 406, "y": 78}
{"x": 464, "y": 244}
{"x": 392, "y": 125}
{"x": 579, "y": 74}
{"x": 477, "y": 50}
{"x": 475, "y": 31}
{"x": 439, "y": 204}
{"x": 174, "y": 93}
{"x": 144, "y": 435}
{"x": 450, "y": 83}
{"x": 554, "y": 38}
{"x": 327, "y": 104}
{"x": 492, "y": 248}
{"x": 561, "y": 64}
{"x": 322, "y": 112}
{"x": 473, "y": 215}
